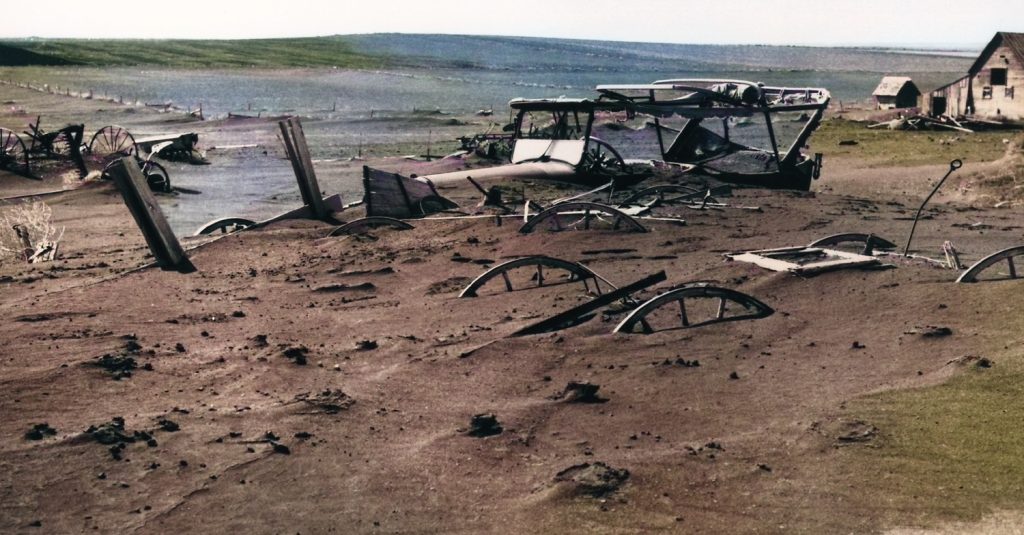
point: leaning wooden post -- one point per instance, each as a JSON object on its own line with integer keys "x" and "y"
{"x": 144, "y": 208}
{"x": 302, "y": 164}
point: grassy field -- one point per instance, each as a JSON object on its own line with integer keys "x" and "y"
{"x": 952, "y": 451}
{"x": 298, "y": 52}
{"x": 880, "y": 147}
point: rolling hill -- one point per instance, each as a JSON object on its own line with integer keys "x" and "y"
{"x": 471, "y": 52}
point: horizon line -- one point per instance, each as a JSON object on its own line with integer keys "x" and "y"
{"x": 922, "y": 46}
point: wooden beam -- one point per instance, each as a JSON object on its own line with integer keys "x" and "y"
{"x": 144, "y": 208}
{"x": 559, "y": 320}
{"x": 302, "y": 164}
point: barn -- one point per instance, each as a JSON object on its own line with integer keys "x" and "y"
{"x": 988, "y": 89}
{"x": 896, "y": 92}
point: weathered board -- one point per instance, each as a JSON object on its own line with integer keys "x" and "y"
{"x": 144, "y": 208}
{"x": 302, "y": 164}
{"x": 393, "y": 195}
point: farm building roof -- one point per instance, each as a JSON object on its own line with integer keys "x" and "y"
{"x": 1015, "y": 41}
{"x": 890, "y": 86}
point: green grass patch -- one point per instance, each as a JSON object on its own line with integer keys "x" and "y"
{"x": 297, "y": 52}
{"x": 950, "y": 452}
{"x": 880, "y": 147}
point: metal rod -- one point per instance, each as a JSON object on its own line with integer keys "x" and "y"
{"x": 953, "y": 166}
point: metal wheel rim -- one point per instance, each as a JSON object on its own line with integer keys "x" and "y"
{"x": 112, "y": 140}
{"x": 12, "y": 150}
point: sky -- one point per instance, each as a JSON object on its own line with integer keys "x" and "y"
{"x": 931, "y": 23}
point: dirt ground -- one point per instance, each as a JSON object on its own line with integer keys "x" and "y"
{"x": 304, "y": 383}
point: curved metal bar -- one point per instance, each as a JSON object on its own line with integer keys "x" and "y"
{"x": 577, "y": 271}
{"x": 225, "y": 225}
{"x": 359, "y": 226}
{"x": 688, "y": 192}
{"x": 621, "y": 218}
{"x": 13, "y": 152}
{"x": 870, "y": 241}
{"x": 724, "y": 295}
{"x": 971, "y": 275}
{"x": 953, "y": 166}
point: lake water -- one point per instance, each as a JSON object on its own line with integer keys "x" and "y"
{"x": 346, "y": 109}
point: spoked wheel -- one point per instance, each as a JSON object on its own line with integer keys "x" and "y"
{"x": 601, "y": 158}
{"x": 111, "y": 142}
{"x": 13, "y": 154}
{"x": 156, "y": 176}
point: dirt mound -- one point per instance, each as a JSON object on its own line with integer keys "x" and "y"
{"x": 596, "y": 479}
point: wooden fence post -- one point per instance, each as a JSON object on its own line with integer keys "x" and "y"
{"x": 144, "y": 208}
{"x": 302, "y": 164}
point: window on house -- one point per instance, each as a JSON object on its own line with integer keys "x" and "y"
{"x": 998, "y": 76}
{"x": 986, "y": 92}
{"x": 1009, "y": 92}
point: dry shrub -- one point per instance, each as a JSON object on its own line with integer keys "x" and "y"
{"x": 36, "y": 217}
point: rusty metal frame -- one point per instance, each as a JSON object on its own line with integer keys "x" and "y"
{"x": 688, "y": 193}
{"x": 699, "y": 291}
{"x": 971, "y": 275}
{"x": 589, "y": 211}
{"x": 577, "y": 273}
{"x": 225, "y": 225}
{"x": 359, "y": 226}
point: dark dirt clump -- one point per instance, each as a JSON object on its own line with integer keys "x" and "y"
{"x": 119, "y": 366}
{"x": 593, "y": 479}
{"x": 298, "y": 354}
{"x": 484, "y": 425}
{"x": 40, "y": 431}
{"x": 581, "y": 392}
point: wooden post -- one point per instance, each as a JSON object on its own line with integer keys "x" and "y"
{"x": 144, "y": 208}
{"x": 302, "y": 164}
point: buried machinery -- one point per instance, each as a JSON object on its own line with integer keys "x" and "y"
{"x": 732, "y": 131}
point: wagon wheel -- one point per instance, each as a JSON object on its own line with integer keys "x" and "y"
{"x": 156, "y": 176}
{"x": 225, "y": 225}
{"x": 601, "y": 158}
{"x": 112, "y": 141}
{"x": 13, "y": 154}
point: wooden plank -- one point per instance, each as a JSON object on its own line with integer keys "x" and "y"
{"x": 765, "y": 262}
{"x": 289, "y": 147}
{"x": 144, "y": 208}
{"x": 302, "y": 164}
{"x": 315, "y": 195}
{"x": 558, "y": 320}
